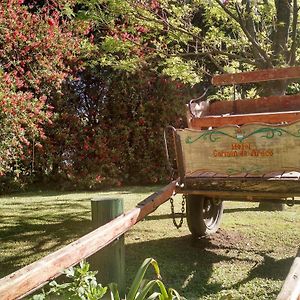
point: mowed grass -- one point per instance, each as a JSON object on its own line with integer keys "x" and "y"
{"x": 248, "y": 258}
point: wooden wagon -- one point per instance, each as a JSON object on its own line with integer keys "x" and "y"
{"x": 245, "y": 150}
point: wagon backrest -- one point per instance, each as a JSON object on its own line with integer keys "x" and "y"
{"x": 278, "y": 109}
{"x": 271, "y": 103}
{"x": 257, "y": 76}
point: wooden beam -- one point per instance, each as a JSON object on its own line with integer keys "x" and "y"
{"x": 259, "y": 105}
{"x": 265, "y": 118}
{"x": 245, "y": 196}
{"x": 257, "y": 76}
{"x": 35, "y": 275}
{"x": 291, "y": 287}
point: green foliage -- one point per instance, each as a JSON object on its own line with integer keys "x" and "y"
{"x": 39, "y": 50}
{"x": 111, "y": 133}
{"x": 83, "y": 286}
{"x": 176, "y": 68}
{"x": 141, "y": 289}
{"x": 187, "y": 40}
{"x": 293, "y": 88}
{"x": 74, "y": 134}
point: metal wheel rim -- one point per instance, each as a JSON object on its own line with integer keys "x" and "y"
{"x": 210, "y": 213}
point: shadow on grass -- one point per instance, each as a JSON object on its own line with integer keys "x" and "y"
{"x": 240, "y": 209}
{"x": 187, "y": 265}
{"x": 269, "y": 268}
{"x": 226, "y": 211}
{"x": 55, "y": 193}
{"x": 40, "y": 237}
{"x": 182, "y": 266}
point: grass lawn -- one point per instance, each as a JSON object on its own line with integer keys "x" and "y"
{"x": 247, "y": 259}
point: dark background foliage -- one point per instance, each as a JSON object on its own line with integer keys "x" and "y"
{"x": 107, "y": 131}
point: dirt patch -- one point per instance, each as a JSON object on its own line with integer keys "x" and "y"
{"x": 222, "y": 239}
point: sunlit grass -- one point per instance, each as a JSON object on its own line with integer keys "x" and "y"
{"x": 247, "y": 259}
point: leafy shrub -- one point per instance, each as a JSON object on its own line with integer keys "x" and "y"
{"x": 109, "y": 131}
{"x": 83, "y": 286}
{"x": 40, "y": 48}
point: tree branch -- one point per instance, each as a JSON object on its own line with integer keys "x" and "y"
{"x": 214, "y": 51}
{"x": 250, "y": 27}
{"x": 292, "y": 54}
{"x": 283, "y": 12}
{"x": 254, "y": 43}
{"x": 213, "y": 60}
{"x": 218, "y": 52}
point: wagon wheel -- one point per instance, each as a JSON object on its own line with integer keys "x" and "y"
{"x": 203, "y": 215}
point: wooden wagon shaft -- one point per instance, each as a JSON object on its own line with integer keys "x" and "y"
{"x": 35, "y": 275}
{"x": 257, "y": 76}
{"x": 291, "y": 287}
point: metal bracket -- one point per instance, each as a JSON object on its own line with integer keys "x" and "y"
{"x": 196, "y": 100}
{"x": 290, "y": 201}
{"x": 168, "y": 156}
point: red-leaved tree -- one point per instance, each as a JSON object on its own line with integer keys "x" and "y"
{"x": 109, "y": 131}
{"x": 40, "y": 46}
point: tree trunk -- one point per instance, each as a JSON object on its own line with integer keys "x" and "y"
{"x": 273, "y": 88}
{"x": 281, "y": 34}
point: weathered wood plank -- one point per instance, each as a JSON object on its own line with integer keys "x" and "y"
{"x": 291, "y": 287}
{"x": 244, "y": 186}
{"x": 273, "y": 175}
{"x": 241, "y": 175}
{"x": 267, "y": 118}
{"x": 255, "y": 149}
{"x": 259, "y": 105}
{"x": 206, "y": 174}
{"x": 220, "y": 175}
{"x": 257, "y": 76}
{"x": 198, "y": 174}
{"x": 254, "y": 175}
{"x": 33, "y": 276}
{"x": 243, "y": 196}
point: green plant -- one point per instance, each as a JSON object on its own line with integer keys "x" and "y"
{"x": 112, "y": 137}
{"x": 84, "y": 286}
{"x": 141, "y": 289}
